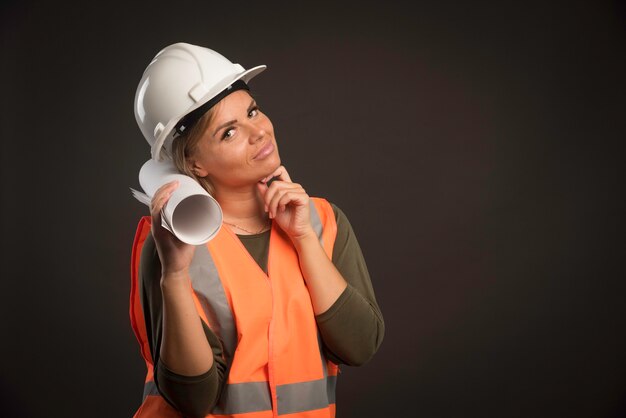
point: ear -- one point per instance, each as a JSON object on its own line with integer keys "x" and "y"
{"x": 196, "y": 168}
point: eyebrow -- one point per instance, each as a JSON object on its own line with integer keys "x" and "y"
{"x": 230, "y": 122}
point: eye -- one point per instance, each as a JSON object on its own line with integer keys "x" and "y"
{"x": 253, "y": 112}
{"x": 228, "y": 133}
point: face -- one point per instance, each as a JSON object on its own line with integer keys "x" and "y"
{"x": 238, "y": 147}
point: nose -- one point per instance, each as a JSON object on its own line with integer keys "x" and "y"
{"x": 257, "y": 133}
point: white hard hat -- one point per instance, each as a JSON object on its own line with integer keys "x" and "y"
{"x": 179, "y": 79}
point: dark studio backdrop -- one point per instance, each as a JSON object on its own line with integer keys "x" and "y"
{"x": 475, "y": 146}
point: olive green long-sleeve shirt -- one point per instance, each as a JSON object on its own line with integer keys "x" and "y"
{"x": 352, "y": 328}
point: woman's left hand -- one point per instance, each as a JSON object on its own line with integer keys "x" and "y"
{"x": 287, "y": 203}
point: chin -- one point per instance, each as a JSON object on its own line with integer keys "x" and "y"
{"x": 273, "y": 161}
{"x": 277, "y": 162}
{"x": 272, "y": 165}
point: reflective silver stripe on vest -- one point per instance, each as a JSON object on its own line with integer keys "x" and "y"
{"x": 331, "y": 386}
{"x": 331, "y": 381}
{"x": 206, "y": 282}
{"x": 316, "y": 223}
{"x": 240, "y": 398}
{"x": 150, "y": 389}
{"x": 304, "y": 396}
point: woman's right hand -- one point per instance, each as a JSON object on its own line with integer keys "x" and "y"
{"x": 174, "y": 254}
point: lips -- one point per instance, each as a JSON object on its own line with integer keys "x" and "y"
{"x": 266, "y": 150}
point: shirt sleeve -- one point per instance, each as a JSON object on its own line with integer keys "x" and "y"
{"x": 352, "y": 329}
{"x": 194, "y": 396}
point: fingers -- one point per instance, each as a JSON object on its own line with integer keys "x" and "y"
{"x": 286, "y": 202}
{"x": 281, "y": 173}
{"x": 281, "y": 194}
{"x": 160, "y": 198}
{"x": 281, "y": 178}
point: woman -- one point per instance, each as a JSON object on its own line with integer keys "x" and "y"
{"x": 256, "y": 321}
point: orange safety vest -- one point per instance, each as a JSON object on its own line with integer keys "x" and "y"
{"x": 265, "y": 323}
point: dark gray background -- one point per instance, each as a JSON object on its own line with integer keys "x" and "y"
{"x": 475, "y": 146}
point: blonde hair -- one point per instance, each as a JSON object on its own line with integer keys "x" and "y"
{"x": 184, "y": 147}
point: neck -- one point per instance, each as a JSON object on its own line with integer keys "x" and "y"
{"x": 241, "y": 204}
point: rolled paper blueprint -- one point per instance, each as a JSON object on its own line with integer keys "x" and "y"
{"x": 191, "y": 213}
